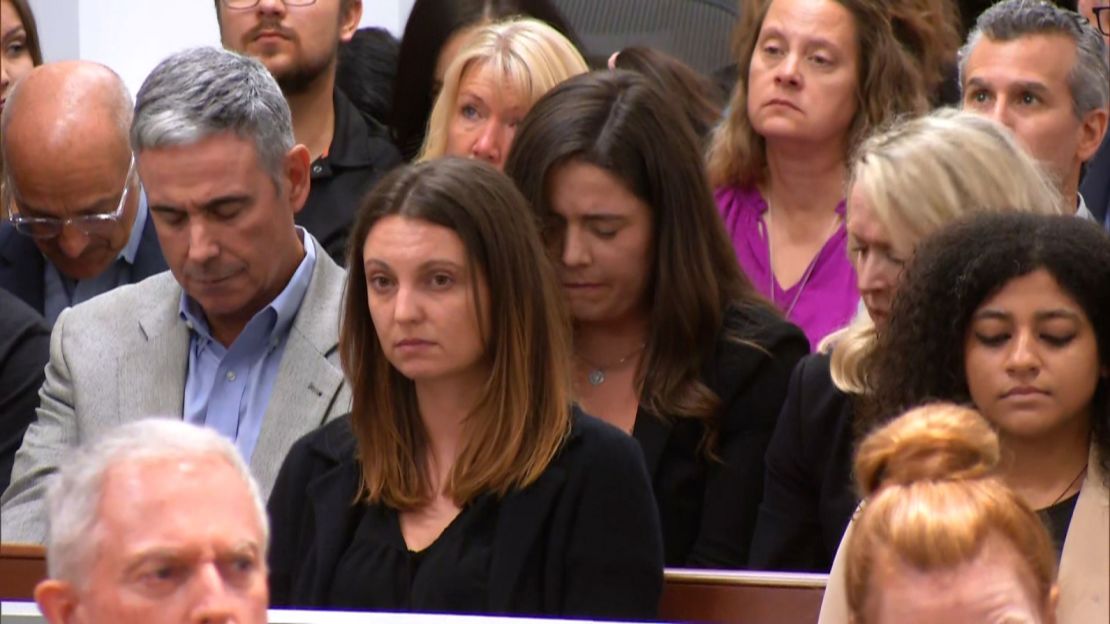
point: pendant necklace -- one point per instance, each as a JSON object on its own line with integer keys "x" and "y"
{"x": 766, "y": 223}
{"x": 596, "y": 375}
{"x": 1082, "y": 472}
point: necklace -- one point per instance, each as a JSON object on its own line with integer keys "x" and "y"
{"x": 766, "y": 224}
{"x": 1067, "y": 489}
{"x": 596, "y": 375}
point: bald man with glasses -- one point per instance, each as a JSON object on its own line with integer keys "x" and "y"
{"x": 77, "y": 224}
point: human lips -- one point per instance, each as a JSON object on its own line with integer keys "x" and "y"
{"x": 412, "y": 344}
{"x": 782, "y": 102}
{"x": 1023, "y": 391}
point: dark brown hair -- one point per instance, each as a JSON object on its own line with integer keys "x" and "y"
{"x": 618, "y": 121}
{"x": 700, "y": 98}
{"x": 523, "y": 413}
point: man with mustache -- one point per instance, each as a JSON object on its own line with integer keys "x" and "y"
{"x": 298, "y": 41}
{"x": 241, "y": 334}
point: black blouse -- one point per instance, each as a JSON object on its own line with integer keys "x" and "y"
{"x": 1057, "y": 519}
{"x": 377, "y": 571}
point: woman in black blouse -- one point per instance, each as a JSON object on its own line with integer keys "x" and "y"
{"x": 671, "y": 342}
{"x": 462, "y": 481}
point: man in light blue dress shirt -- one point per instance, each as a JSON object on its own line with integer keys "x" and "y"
{"x": 78, "y": 219}
{"x": 241, "y": 334}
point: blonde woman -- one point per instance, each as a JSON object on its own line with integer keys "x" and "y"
{"x": 492, "y": 84}
{"x": 941, "y": 538}
{"x": 905, "y": 183}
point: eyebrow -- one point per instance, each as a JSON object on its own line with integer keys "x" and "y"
{"x": 100, "y": 206}
{"x": 207, "y": 206}
{"x": 1026, "y": 85}
{"x": 375, "y": 263}
{"x": 811, "y": 40}
{"x": 1044, "y": 315}
{"x": 12, "y": 32}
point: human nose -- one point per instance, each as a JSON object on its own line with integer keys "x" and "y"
{"x": 1022, "y": 357}
{"x": 872, "y": 274}
{"x": 212, "y": 601}
{"x": 576, "y": 251}
{"x": 5, "y": 80}
{"x": 72, "y": 241}
{"x": 487, "y": 146}
{"x": 406, "y": 305}
{"x": 202, "y": 243}
{"x": 271, "y": 6}
{"x": 787, "y": 73}
{"x": 1000, "y": 112}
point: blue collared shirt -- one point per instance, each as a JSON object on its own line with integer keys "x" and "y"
{"x": 61, "y": 292}
{"x": 228, "y": 389}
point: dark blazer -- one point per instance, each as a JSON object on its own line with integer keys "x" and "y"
{"x": 24, "y": 350}
{"x": 708, "y": 507}
{"x": 22, "y": 264}
{"x": 809, "y": 497}
{"x": 582, "y": 541}
{"x": 1095, "y": 186}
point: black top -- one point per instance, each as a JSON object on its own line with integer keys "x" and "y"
{"x": 708, "y": 508}
{"x": 360, "y": 154}
{"x": 379, "y": 572}
{"x": 809, "y": 496}
{"x": 1056, "y": 519}
{"x": 1096, "y": 182}
{"x": 24, "y": 350}
{"x": 581, "y": 541}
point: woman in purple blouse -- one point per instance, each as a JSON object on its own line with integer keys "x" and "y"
{"x": 816, "y": 77}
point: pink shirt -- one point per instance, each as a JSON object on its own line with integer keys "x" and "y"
{"x": 820, "y": 303}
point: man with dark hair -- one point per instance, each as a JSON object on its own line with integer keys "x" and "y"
{"x": 298, "y": 41}
{"x": 1095, "y": 186}
{"x": 1041, "y": 71}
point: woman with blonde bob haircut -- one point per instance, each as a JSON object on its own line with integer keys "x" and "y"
{"x": 492, "y": 84}
{"x": 462, "y": 480}
{"x": 905, "y": 183}
{"x": 939, "y": 536}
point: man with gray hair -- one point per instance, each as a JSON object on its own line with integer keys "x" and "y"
{"x": 78, "y": 221}
{"x": 158, "y": 521}
{"x": 1041, "y": 71}
{"x": 241, "y": 335}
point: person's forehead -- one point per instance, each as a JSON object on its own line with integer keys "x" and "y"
{"x": 1046, "y": 58}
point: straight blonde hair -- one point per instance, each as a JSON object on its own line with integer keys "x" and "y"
{"x": 920, "y": 174}
{"x": 530, "y": 56}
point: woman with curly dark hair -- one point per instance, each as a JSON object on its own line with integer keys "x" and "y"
{"x": 1011, "y": 313}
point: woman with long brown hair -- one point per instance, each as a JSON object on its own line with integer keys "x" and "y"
{"x": 671, "y": 342}
{"x": 463, "y": 480}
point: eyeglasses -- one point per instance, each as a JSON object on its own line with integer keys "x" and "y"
{"x": 1102, "y": 19}
{"x": 45, "y": 228}
{"x": 250, "y": 4}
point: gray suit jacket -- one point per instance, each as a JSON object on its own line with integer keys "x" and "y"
{"x": 124, "y": 356}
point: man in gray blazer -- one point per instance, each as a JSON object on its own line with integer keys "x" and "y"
{"x": 241, "y": 334}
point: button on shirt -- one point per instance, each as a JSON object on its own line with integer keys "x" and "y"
{"x": 228, "y": 388}
{"x": 61, "y": 291}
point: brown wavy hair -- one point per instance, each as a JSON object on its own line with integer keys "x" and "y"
{"x": 523, "y": 413}
{"x": 906, "y": 46}
{"x": 618, "y": 121}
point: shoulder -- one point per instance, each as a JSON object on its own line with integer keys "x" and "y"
{"x": 159, "y": 292}
{"x": 753, "y": 337}
{"x": 330, "y": 444}
{"x": 593, "y": 440}
{"x": 738, "y": 198}
{"x": 18, "y": 319}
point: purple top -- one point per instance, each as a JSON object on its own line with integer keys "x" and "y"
{"x": 827, "y": 299}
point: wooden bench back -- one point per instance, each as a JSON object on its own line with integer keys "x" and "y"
{"x": 741, "y": 597}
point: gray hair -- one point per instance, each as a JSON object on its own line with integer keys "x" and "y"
{"x": 74, "y": 493}
{"x": 201, "y": 92}
{"x": 1088, "y": 80}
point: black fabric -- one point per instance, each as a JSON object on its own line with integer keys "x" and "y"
{"x": 24, "y": 350}
{"x": 809, "y": 497}
{"x": 707, "y": 507}
{"x": 581, "y": 541}
{"x": 1057, "y": 519}
{"x": 360, "y": 154}
{"x": 1095, "y": 186}
{"x": 22, "y": 264}
{"x": 377, "y": 571}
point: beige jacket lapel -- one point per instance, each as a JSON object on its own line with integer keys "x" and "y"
{"x": 1085, "y": 563}
{"x": 309, "y": 388}
{"x": 151, "y": 378}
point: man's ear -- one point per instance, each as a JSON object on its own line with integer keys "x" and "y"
{"x": 57, "y": 600}
{"x": 298, "y": 178}
{"x": 348, "y": 21}
{"x": 1091, "y": 133}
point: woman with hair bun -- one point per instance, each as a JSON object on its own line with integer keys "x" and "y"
{"x": 939, "y": 536}
{"x": 1011, "y": 313}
